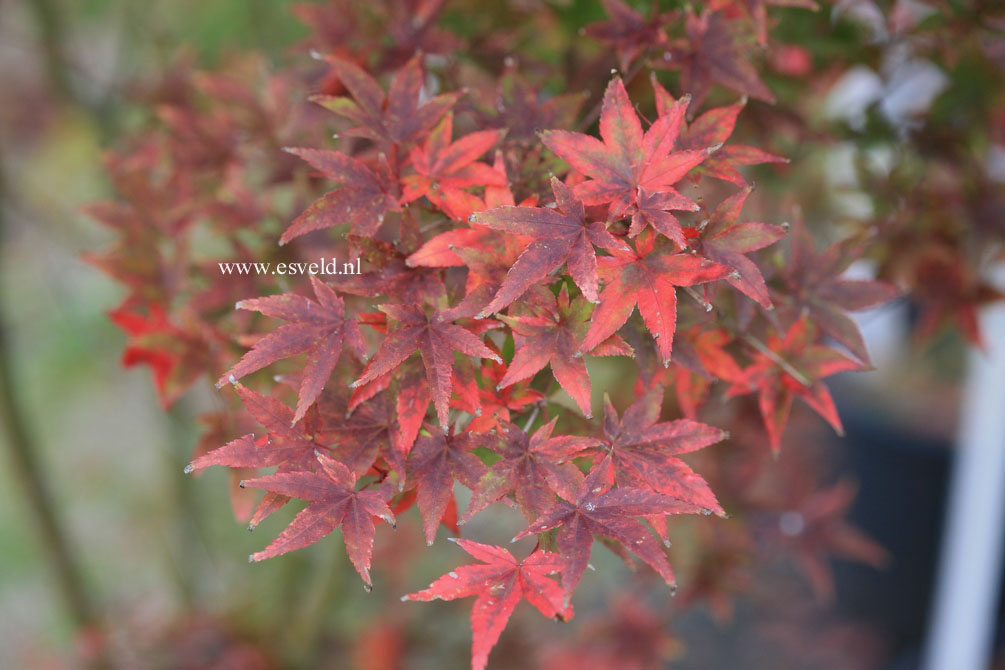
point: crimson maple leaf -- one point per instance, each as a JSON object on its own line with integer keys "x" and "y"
{"x": 628, "y": 160}
{"x": 757, "y": 11}
{"x": 363, "y": 198}
{"x": 628, "y": 32}
{"x": 288, "y": 446}
{"x": 497, "y": 404}
{"x": 712, "y": 129}
{"x": 499, "y": 583}
{"x": 393, "y": 275}
{"x": 333, "y": 502}
{"x": 435, "y": 338}
{"x": 318, "y": 329}
{"x": 817, "y": 290}
{"x": 813, "y": 525}
{"x": 725, "y": 241}
{"x": 522, "y": 110}
{"x": 549, "y": 331}
{"x": 644, "y": 452}
{"x": 361, "y": 432}
{"x": 776, "y": 384}
{"x": 712, "y": 52}
{"x": 444, "y": 169}
{"x": 597, "y": 509}
{"x": 177, "y": 357}
{"x": 699, "y": 359}
{"x": 561, "y": 235}
{"x": 647, "y": 277}
{"x": 435, "y": 461}
{"x": 396, "y": 118}
{"x": 532, "y": 468}
{"x": 948, "y": 288}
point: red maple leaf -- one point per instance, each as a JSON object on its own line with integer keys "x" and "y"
{"x": 318, "y": 329}
{"x": 364, "y": 197}
{"x": 436, "y": 460}
{"x": 644, "y": 452}
{"x": 712, "y": 129}
{"x": 712, "y": 52}
{"x": 176, "y": 356}
{"x": 435, "y": 338}
{"x": 628, "y": 32}
{"x": 597, "y": 509}
{"x": 812, "y": 525}
{"x": 726, "y": 241}
{"x": 757, "y": 11}
{"x": 290, "y": 447}
{"x": 561, "y": 235}
{"x": 532, "y": 468}
{"x": 549, "y": 331}
{"x": 333, "y": 502}
{"x": 522, "y": 110}
{"x": 361, "y": 432}
{"x": 629, "y": 163}
{"x": 500, "y": 583}
{"x": 396, "y": 118}
{"x": 647, "y": 277}
{"x": 777, "y": 386}
{"x": 444, "y": 169}
{"x": 497, "y": 404}
{"x": 818, "y": 290}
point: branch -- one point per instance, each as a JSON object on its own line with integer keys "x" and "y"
{"x": 24, "y": 456}
{"x": 753, "y": 341}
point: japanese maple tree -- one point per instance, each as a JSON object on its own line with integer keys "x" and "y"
{"x": 506, "y": 248}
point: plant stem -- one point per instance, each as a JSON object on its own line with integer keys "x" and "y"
{"x": 52, "y": 39}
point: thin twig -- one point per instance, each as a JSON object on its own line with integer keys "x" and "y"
{"x": 532, "y": 418}
{"x": 594, "y": 113}
{"x": 24, "y": 455}
{"x": 753, "y": 341}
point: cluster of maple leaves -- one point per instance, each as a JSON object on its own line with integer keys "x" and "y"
{"x": 501, "y": 251}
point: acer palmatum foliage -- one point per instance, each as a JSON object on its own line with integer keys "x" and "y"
{"x": 505, "y": 243}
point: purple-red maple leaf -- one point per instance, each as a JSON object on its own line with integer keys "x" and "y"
{"x": 435, "y": 338}
{"x": 288, "y": 446}
{"x": 726, "y": 241}
{"x": 628, "y": 32}
{"x": 776, "y": 387}
{"x": 396, "y": 118}
{"x": 712, "y": 129}
{"x": 561, "y": 235}
{"x": 647, "y": 277}
{"x": 644, "y": 452}
{"x": 629, "y": 159}
{"x": 364, "y": 196}
{"x": 333, "y": 501}
{"x": 317, "y": 328}
{"x": 817, "y": 289}
{"x": 713, "y": 52}
{"x": 443, "y": 169}
{"x": 533, "y": 468}
{"x": 436, "y": 460}
{"x": 499, "y": 583}
{"x": 597, "y": 509}
{"x": 550, "y": 331}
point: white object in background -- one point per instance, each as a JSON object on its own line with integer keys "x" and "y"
{"x": 962, "y": 621}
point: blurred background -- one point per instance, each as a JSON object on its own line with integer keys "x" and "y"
{"x": 101, "y": 531}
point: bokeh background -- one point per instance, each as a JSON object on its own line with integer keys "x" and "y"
{"x": 155, "y": 557}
